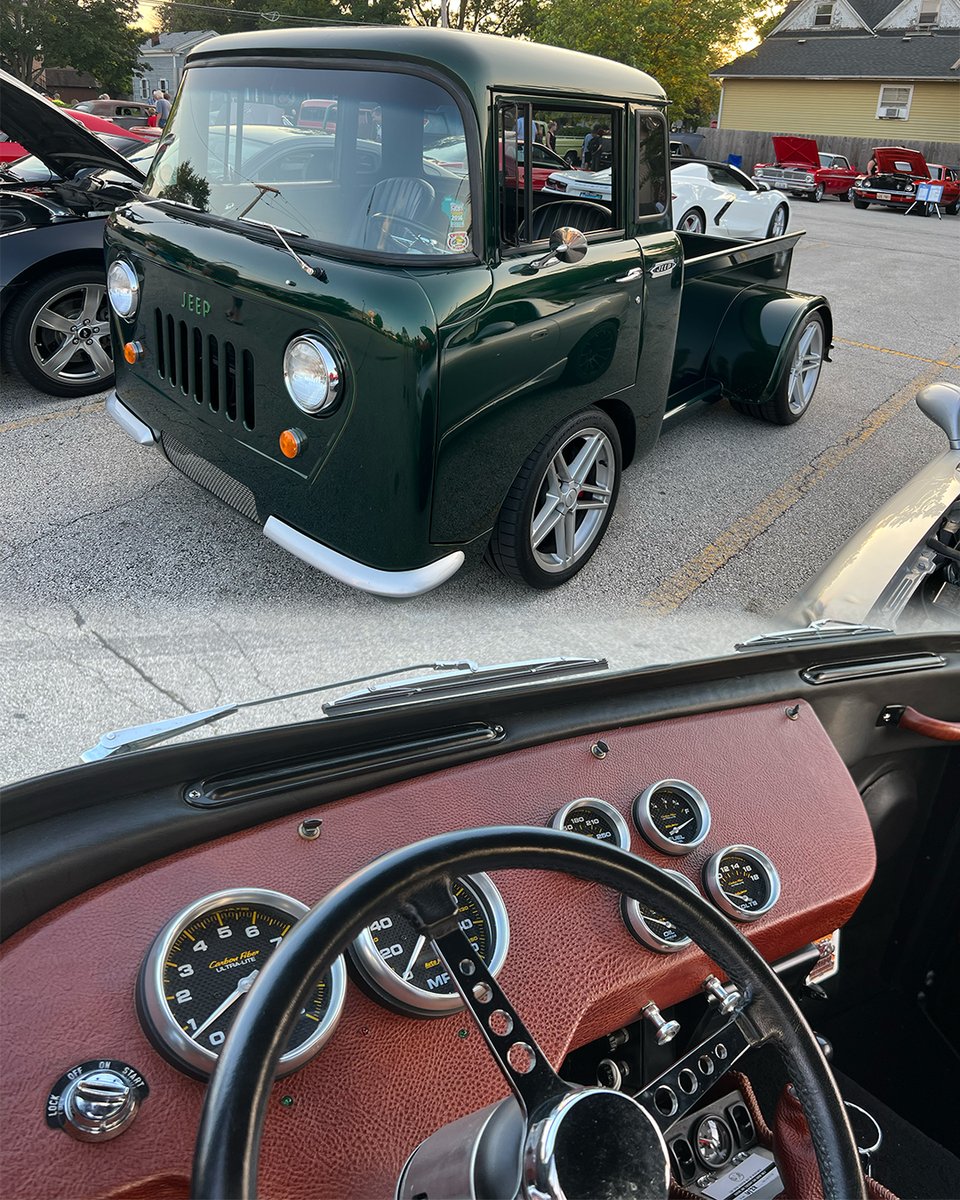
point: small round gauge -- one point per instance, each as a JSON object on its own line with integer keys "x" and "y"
{"x": 402, "y": 967}
{"x": 201, "y": 966}
{"x": 742, "y": 882}
{"x": 652, "y": 929}
{"x": 672, "y": 815}
{"x": 714, "y": 1142}
{"x": 594, "y": 819}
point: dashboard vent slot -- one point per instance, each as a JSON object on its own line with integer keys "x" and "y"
{"x": 289, "y": 778}
{"x": 867, "y": 668}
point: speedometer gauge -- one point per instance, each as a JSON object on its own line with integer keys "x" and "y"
{"x": 651, "y": 928}
{"x": 742, "y": 882}
{"x": 203, "y": 963}
{"x": 594, "y": 819}
{"x": 672, "y": 815}
{"x": 401, "y": 966}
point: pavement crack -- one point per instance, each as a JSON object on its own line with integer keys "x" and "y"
{"x": 127, "y": 661}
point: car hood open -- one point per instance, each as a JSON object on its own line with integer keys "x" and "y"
{"x": 901, "y": 161}
{"x": 64, "y": 146}
{"x": 796, "y": 150}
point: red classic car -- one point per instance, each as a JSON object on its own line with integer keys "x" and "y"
{"x": 803, "y": 170}
{"x": 11, "y": 150}
{"x": 900, "y": 171}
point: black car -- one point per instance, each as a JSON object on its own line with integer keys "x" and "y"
{"x": 54, "y": 330}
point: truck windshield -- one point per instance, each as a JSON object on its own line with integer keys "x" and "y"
{"x": 343, "y": 157}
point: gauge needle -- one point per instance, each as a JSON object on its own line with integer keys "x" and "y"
{"x": 677, "y": 828}
{"x": 408, "y": 971}
{"x": 243, "y": 986}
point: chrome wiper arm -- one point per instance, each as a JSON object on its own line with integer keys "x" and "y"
{"x": 824, "y": 630}
{"x": 462, "y": 681}
{"x": 140, "y": 737}
{"x": 280, "y": 230}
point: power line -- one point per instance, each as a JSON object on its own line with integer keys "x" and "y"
{"x": 271, "y": 16}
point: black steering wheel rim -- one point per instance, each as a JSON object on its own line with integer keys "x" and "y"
{"x": 231, "y": 1125}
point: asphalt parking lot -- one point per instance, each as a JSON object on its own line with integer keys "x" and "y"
{"x": 129, "y": 594}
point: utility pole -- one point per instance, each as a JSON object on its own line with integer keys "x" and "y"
{"x": 444, "y": 14}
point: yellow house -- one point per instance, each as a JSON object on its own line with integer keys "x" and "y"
{"x": 887, "y": 70}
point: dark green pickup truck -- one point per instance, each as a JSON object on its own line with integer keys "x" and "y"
{"x": 376, "y": 335}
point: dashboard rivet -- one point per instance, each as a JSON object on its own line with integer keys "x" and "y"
{"x": 287, "y": 1101}
{"x": 793, "y": 712}
{"x": 599, "y": 749}
{"x": 310, "y": 829}
{"x": 193, "y": 794}
{"x": 463, "y": 1033}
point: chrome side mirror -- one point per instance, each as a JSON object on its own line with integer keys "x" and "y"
{"x": 567, "y": 245}
{"x": 941, "y": 403}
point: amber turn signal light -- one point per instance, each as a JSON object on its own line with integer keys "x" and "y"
{"x": 133, "y": 351}
{"x": 292, "y": 441}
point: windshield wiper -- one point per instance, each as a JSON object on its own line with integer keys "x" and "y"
{"x": 280, "y": 230}
{"x": 463, "y": 675}
{"x": 824, "y": 630}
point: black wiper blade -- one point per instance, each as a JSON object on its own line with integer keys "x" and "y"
{"x": 825, "y": 630}
{"x": 467, "y": 678}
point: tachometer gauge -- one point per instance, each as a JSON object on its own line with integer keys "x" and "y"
{"x": 402, "y": 967}
{"x": 652, "y": 929}
{"x": 594, "y": 819}
{"x": 201, "y": 966}
{"x": 742, "y": 882}
{"x": 672, "y": 815}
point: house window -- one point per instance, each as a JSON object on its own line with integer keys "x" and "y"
{"x": 929, "y": 13}
{"x": 163, "y": 85}
{"x": 823, "y": 14}
{"x": 894, "y": 103}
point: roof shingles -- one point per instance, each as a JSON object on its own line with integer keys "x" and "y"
{"x": 849, "y": 57}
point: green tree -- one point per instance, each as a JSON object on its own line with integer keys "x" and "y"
{"x": 97, "y": 36}
{"x": 511, "y": 18}
{"x": 291, "y": 12}
{"x": 679, "y": 42}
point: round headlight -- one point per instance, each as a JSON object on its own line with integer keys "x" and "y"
{"x": 123, "y": 288}
{"x": 311, "y": 374}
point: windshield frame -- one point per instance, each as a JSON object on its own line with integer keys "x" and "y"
{"x": 314, "y": 245}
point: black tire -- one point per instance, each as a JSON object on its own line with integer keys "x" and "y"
{"x": 846, "y": 196}
{"x": 860, "y": 203}
{"x": 781, "y": 208}
{"x": 695, "y": 219}
{"x": 785, "y": 408}
{"x": 512, "y": 550}
{"x": 26, "y": 342}
{"x": 817, "y": 194}
{"x": 952, "y": 209}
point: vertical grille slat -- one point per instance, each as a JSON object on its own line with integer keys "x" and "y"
{"x": 217, "y": 375}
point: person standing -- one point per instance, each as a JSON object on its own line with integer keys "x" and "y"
{"x": 552, "y": 136}
{"x": 163, "y": 107}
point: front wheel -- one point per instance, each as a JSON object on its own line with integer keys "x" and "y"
{"x": 692, "y": 221}
{"x": 817, "y": 194}
{"x": 556, "y": 513}
{"x": 56, "y": 334}
{"x": 860, "y": 203}
{"x": 799, "y": 380}
{"x": 778, "y": 222}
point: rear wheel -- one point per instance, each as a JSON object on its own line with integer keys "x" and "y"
{"x": 56, "y": 334}
{"x": 846, "y": 196}
{"x": 817, "y": 194}
{"x": 692, "y": 221}
{"x": 800, "y": 377}
{"x": 556, "y": 513}
{"x": 952, "y": 209}
{"x": 778, "y": 222}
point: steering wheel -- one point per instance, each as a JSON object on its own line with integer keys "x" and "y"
{"x": 569, "y": 1140}
{"x": 406, "y": 233}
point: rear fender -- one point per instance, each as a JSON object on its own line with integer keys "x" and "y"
{"x": 749, "y": 353}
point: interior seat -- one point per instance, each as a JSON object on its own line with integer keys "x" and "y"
{"x": 404, "y": 198}
{"x": 581, "y": 214}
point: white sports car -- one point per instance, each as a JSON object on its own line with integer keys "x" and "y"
{"x": 708, "y": 197}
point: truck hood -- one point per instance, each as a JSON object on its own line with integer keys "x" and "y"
{"x": 898, "y": 160}
{"x": 61, "y": 144}
{"x": 797, "y": 150}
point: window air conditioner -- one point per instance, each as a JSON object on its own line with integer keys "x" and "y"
{"x": 890, "y": 114}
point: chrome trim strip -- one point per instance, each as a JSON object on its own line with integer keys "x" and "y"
{"x": 132, "y": 426}
{"x": 387, "y": 983}
{"x": 196, "y": 1058}
{"x": 711, "y": 879}
{"x": 621, "y": 828}
{"x": 842, "y": 672}
{"x": 645, "y": 823}
{"x": 397, "y": 584}
{"x": 636, "y": 921}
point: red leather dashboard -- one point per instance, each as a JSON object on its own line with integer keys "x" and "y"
{"x": 385, "y": 1081}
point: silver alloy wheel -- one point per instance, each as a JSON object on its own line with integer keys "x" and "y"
{"x": 572, "y": 498}
{"x": 70, "y": 335}
{"x": 818, "y": 193}
{"x": 805, "y": 368}
{"x": 779, "y": 222}
{"x": 691, "y": 222}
